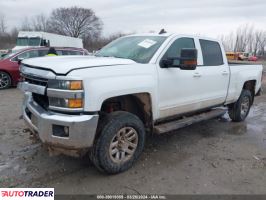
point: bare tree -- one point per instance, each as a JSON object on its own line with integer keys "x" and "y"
{"x": 245, "y": 38}
{"x": 258, "y": 35}
{"x": 92, "y": 43}
{"x": 228, "y": 41}
{"x": 75, "y": 22}
{"x": 262, "y": 43}
{"x": 26, "y": 25}
{"x": 3, "y": 26}
{"x": 40, "y": 23}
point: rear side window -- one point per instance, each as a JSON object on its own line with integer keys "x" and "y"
{"x": 211, "y": 52}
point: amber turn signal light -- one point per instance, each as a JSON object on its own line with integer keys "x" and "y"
{"x": 75, "y": 103}
{"x": 75, "y": 85}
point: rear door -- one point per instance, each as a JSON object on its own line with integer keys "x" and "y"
{"x": 213, "y": 74}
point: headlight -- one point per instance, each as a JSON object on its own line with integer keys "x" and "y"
{"x": 65, "y": 95}
{"x": 65, "y": 103}
{"x": 65, "y": 85}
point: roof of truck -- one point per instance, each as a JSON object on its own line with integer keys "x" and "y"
{"x": 170, "y": 34}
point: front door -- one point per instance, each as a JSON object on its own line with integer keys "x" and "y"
{"x": 178, "y": 89}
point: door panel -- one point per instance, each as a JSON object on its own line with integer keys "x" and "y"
{"x": 177, "y": 91}
{"x": 182, "y": 91}
{"x": 215, "y": 73}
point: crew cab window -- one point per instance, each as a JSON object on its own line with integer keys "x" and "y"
{"x": 211, "y": 52}
{"x": 175, "y": 49}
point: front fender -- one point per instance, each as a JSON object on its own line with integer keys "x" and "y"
{"x": 101, "y": 83}
{"x": 98, "y": 90}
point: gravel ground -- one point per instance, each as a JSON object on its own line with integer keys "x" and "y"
{"x": 212, "y": 157}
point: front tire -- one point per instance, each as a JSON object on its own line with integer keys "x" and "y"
{"x": 5, "y": 80}
{"x": 120, "y": 143}
{"x": 239, "y": 110}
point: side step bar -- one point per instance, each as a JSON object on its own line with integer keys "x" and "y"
{"x": 174, "y": 125}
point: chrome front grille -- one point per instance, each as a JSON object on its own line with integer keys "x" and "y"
{"x": 40, "y": 99}
{"x": 35, "y": 80}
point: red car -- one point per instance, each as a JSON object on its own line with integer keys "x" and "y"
{"x": 9, "y": 67}
{"x": 253, "y": 58}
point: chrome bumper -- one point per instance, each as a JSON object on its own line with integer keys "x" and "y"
{"x": 81, "y": 128}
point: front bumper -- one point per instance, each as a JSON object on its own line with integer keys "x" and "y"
{"x": 81, "y": 128}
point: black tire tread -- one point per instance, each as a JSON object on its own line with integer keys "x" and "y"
{"x": 235, "y": 108}
{"x": 106, "y": 128}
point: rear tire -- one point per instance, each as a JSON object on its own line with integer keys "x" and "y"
{"x": 120, "y": 143}
{"x": 239, "y": 110}
{"x": 5, "y": 80}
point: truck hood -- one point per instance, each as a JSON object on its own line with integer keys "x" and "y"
{"x": 65, "y": 64}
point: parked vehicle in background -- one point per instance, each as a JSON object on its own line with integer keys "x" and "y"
{"x": 232, "y": 55}
{"x": 9, "y": 65}
{"x": 253, "y": 58}
{"x": 28, "y": 39}
{"x": 104, "y": 105}
{"x": 243, "y": 55}
{"x": 3, "y": 53}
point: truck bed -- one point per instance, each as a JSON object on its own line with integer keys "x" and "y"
{"x": 239, "y": 62}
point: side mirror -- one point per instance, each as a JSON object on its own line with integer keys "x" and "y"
{"x": 188, "y": 60}
{"x": 19, "y": 60}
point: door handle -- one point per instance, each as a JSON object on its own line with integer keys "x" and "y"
{"x": 196, "y": 75}
{"x": 225, "y": 73}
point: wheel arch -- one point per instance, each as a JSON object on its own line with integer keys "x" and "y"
{"x": 250, "y": 85}
{"x": 139, "y": 104}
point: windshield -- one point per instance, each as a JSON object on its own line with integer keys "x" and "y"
{"x": 137, "y": 48}
{"x": 34, "y": 41}
{"x": 8, "y": 55}
{"x": 28, "y": 41}
{"x": 22, "y": 42}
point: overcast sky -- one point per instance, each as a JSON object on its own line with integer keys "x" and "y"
{"x": 205, "y": 17}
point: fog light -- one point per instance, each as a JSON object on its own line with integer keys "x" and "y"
{"x": 65, "y": 103}
{"x": 60, "y": 131}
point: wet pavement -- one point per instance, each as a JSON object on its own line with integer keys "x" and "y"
{"x": 212, "y": 157}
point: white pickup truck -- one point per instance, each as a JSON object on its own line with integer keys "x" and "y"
{"x": 103, "y": 106}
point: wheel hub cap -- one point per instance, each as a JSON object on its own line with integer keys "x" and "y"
{"x": 244, "y": 106}
{"x": 4, "y": 80}
{"x": 123, "y": 145}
